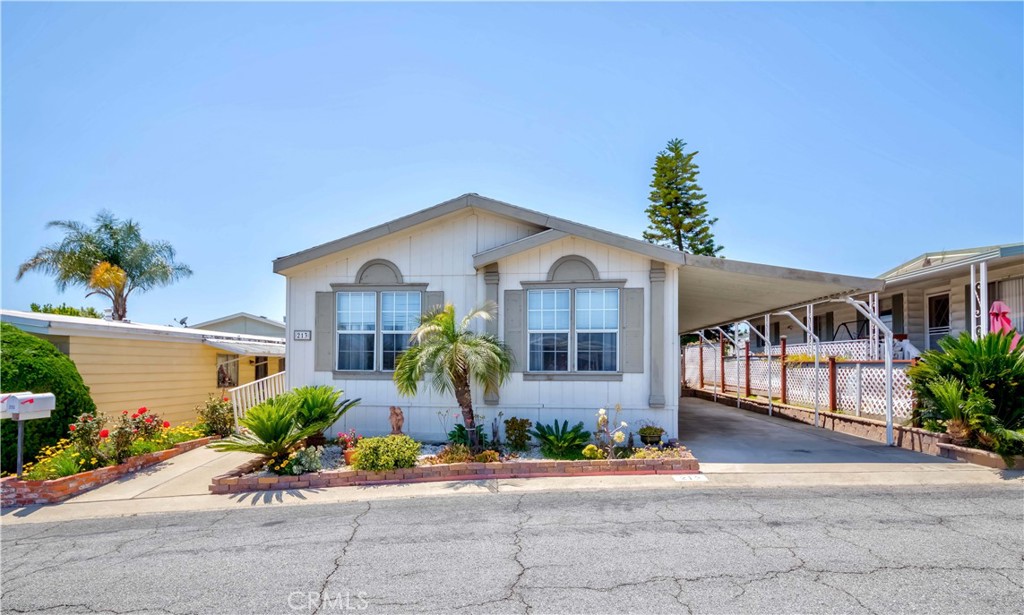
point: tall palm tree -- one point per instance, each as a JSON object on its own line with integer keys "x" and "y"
{"x": 109, "y": 259}
{"x": 455, "y": 357}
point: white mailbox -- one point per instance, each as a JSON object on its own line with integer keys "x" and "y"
{"x": 3, "y": 403}
{"x": 28, "y": 406}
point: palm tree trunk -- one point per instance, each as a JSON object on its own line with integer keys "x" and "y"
{"x": 464, "y": 397}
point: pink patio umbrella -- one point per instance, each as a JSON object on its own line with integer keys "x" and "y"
{"x": 999, "y": 321}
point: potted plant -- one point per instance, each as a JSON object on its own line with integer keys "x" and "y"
{"x": 347, "y": 442}
{"x": 650, "y": 434}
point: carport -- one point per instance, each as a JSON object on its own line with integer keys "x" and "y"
{"x": 716, "y": 293}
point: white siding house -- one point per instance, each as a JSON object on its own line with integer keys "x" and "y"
{"x": 593, "y": 318}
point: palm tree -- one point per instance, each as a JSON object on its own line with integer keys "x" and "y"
{"x": 455, "y": 357}
{"x": 110, "y": 259}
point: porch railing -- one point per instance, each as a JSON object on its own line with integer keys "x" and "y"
{"x": 256, "y": 392}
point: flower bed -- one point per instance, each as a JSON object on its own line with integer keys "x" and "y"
{"x": 237, "y": 482}
{"x": 16, "y": 492}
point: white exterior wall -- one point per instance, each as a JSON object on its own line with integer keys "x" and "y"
{"x": 440, "y": 254}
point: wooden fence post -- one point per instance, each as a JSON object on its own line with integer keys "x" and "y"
{"x": 700, "y": 365}
{"x": 782, "y": 369}
{"x": 746, "y": 387}
{"x": 721, "y": 363}
{"x": 832, "y": 384}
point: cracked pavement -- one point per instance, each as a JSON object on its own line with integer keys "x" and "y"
{"x": 957, "y": 549}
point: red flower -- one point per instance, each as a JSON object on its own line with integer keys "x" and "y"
{"x": 166, "y": 424}
{"x": 149, "y": 419}
{"x": 124, "y": 412}
{"x": 226, "y": 399}
{"x": 142, "y": 410}
{"x": 87, "y": 418}
{"x": 104, "y": 433}
{"x": 135, "y": 416}
{"x": 71, "y": 427}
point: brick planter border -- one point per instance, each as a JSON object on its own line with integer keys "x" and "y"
{"x": 979, "y": 457}
{"x": 910, "y": 438}
{"x": 236, "y": 481}
{"x": 15, "y": 492}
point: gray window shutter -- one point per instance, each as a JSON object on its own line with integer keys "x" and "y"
{"x": 631, "y": 350}
{"x": 897, "y": 313}
{"x": 325, "y": 327}
{"x": 830, "y": 327}
{"x": 433, "y": 300}
{"x": 514, "y": 309}
{"x": 776, "y": 333}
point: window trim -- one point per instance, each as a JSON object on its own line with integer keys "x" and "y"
{"x": 377, "y": 373}
{"x": 572, "y": 372}
{"x": 376, "y": 329}
{"x": 568, "y": 334}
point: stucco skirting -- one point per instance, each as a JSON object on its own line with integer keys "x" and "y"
{"x": 17, "y": 492}
{"x": 237, "y": 482}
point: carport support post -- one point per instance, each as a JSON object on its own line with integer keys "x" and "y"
{"x": 782, "y": 369}
{"x": 700, "y": 365}
{"x": 746, "y": 364}
{"x": 721, "y": 360}
{"x": 734, "y": 339}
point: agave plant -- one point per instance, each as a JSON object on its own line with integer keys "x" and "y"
{"x": 269, "y": 429}
{"x": 560, "y": 442}
{"x": 950, "y": 408}
{"x": 320, "y": 407}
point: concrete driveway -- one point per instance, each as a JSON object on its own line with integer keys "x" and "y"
{"x": 719, "y": 434}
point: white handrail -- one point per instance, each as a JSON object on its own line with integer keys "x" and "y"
{"x": 254, "y": 393}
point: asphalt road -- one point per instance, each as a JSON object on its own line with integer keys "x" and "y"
{"x": 697, "y": 549}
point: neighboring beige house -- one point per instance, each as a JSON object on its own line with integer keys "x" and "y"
{"x": 925, "y": 298}
{"x": 593, "y": 318}
{"x": 167, "y": 369}
{"x": 244, "y": 322}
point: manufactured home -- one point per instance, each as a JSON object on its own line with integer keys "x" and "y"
{"x": 593, "y": 318}
{"x": 170, "y": 370}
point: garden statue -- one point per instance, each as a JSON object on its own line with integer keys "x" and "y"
{"x": 495, "y": 440}
{"x": 397, "y": 420}
{"x": 629, "y": 443}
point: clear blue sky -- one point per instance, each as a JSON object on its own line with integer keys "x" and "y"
{"x": 838, "y": 137}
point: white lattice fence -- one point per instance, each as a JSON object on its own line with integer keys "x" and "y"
{"x": 855, "y": 350}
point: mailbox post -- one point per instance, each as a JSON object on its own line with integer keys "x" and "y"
{"x": 22, "y": 407}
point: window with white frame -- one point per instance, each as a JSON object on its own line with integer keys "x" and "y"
{"x": 597, "y": 329}
{"x": 581, "y": 323}
{"x": 399, "y": 317}
{"x": 227, "y": 370}
{"x": 357, "y": 330}
{"x": 374, "y": 328}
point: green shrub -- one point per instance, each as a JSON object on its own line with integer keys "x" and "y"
{"x": 560, "y": 442}
{"x": 453, "y": 453}
{"x": 217, "y": 416}
{"x": 488, "y": 457}
{"x": 460, "y": 435}
{"x": 269, "y": 429}
{"x": 517, "y": 433}
{"x": 386, "y": 453}
{"x": 28, "y": 363}
{"x": 319, "y": 406}
{"x": 591, "y": 451}
{"x": 973, "y": 389}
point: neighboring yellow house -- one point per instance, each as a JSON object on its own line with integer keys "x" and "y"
{"x": 169, "y": 370}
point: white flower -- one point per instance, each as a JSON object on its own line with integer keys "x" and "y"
{"x": 624, "y": 424}
{"x": 619, "y": 437}
{"x": 601, "y": 411}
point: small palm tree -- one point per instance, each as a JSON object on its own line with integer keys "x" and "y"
{"x": 110, "y": 259}
{"x": 455, "y": 357}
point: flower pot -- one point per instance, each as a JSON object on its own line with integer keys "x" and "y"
{"x": 349, "y": 453}
{"x": 650, "y": 440}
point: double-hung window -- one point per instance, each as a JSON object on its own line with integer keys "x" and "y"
{"x": 357, "y": 330}
{"x": 374, "y": 328}
{"x": 573, "y": 330}
{"x": 597, "y": 329}
{"x": 399, "y": 317}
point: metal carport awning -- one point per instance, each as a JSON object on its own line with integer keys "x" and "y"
{"x": 248, "y": 348}
{"x": 716, "y": 291}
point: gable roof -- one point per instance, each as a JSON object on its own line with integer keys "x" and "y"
{"x": 930, "y": 262}
{"x": 245, "y": 315}
{"x": 475, "y": 201}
